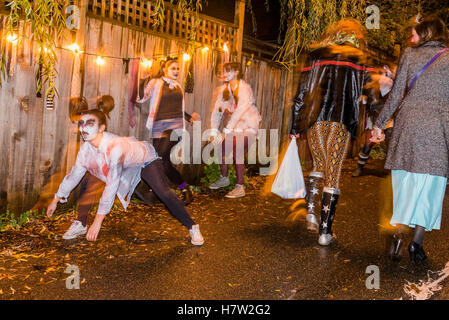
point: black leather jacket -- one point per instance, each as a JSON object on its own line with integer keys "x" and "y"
{"x": 331, "y": 87}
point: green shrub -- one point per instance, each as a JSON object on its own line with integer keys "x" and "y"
{"x": 212, "y": 173}
{"x": 379, "y": 151}
{"x": 9, "y": 220}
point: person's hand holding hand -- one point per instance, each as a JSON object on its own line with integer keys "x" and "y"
{"x": 377, "y": 135}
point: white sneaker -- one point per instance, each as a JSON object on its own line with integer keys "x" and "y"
{"x": 238, "y": 192}
{"x": 220, "y": 183}
{"x": 195, "y": 235}
{"x": 325, "y": 239}
{"x": 75, "y": 230}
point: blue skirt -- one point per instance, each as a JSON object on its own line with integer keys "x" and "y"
{"x": 417, "y": 199}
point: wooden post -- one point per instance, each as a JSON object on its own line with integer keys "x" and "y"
{"x": 239, "y": 20}
{"x": 76, "y": 85}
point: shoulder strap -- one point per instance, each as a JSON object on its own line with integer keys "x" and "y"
{"x": 439, "y": 53}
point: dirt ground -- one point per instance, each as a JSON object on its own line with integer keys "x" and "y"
{"x": 256, "y": 247}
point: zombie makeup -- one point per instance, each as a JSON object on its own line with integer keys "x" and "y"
{"x": 172, "y": 71}
{"x": 89, "y": 128}
{"x": 229, "y": 75}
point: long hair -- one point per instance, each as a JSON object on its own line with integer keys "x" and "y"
{"x": 432, "y": 28}
{"x": 345, "y": 31}
{"x": 237, "y": 67}
{"x": 165, "y": 64}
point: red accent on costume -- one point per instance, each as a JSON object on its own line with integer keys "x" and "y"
{"x": 338, "y": 63}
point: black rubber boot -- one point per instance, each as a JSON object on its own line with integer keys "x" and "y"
{"x": 328, "y": 207}
{"x": 312, "y": 199}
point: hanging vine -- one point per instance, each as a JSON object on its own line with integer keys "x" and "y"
{"x": 47, "y": 22}
{"x": 303, "y": 21}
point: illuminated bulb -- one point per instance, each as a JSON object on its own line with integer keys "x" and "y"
{"x": 186, "y": 57}
{"x": 225, "y": 47}
{"x": 205, "y": 49}
{"x": 74, "y": 47}
{"x": 100, "y": 61}
{"x": 12, "y": 38}
{"x": 147, "y": 63}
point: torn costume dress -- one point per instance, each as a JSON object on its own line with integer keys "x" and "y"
{"x": 120, "y": 163}
{"x": 327, "y": 109}
{"x": 241, "y": 120}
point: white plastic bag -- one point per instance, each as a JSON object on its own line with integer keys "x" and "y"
{"x": 289, "y": 182}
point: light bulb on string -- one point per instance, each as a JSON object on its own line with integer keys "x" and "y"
{"x": 12, "y": 38}
{"x": 186, "y": 56}
{"x": 75, "y": 48}
{"x": 226, "y": 51}
{"x": 205, "y": 49}
{"x": 147, "y": 63}
{"x": 100, "y": 61}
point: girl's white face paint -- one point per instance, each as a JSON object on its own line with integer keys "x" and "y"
{"x": 172, "y": 72}
{"x": 229, "y": 75}
{"x": 89, "y": 127}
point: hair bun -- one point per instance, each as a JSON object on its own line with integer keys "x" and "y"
{"x": 106, "y": 104}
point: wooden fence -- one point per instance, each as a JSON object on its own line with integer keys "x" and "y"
{"x": 35, "y": 139}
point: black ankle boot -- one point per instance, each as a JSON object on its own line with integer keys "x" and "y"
{"x": 312, "y": 199}
{"x": 363, "y": 158}
{"x": 328, "y": 208}
{"x": 396, "y": 247}
{"x": 416, "y": 252}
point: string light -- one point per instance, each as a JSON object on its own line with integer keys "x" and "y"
{"x": 147, "y": 63}
{"x": 75, "y": 48}
{"x": 12, "y": 38}
{"x": 186, "y": 57}
{"x": 100, "y": 61}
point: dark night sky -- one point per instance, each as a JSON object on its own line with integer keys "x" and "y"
{"x": 267, "y": 22}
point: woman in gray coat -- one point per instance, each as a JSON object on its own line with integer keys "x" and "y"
{"x": 418, "y": 154}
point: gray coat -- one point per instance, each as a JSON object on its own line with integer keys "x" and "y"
{"x": 420, "y": 140}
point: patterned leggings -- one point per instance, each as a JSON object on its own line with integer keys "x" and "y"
{"x": 329, "y": 143}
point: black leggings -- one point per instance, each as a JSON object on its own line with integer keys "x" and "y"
{"x": 153, "y": 175}
{"x": 163, "y": 147}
